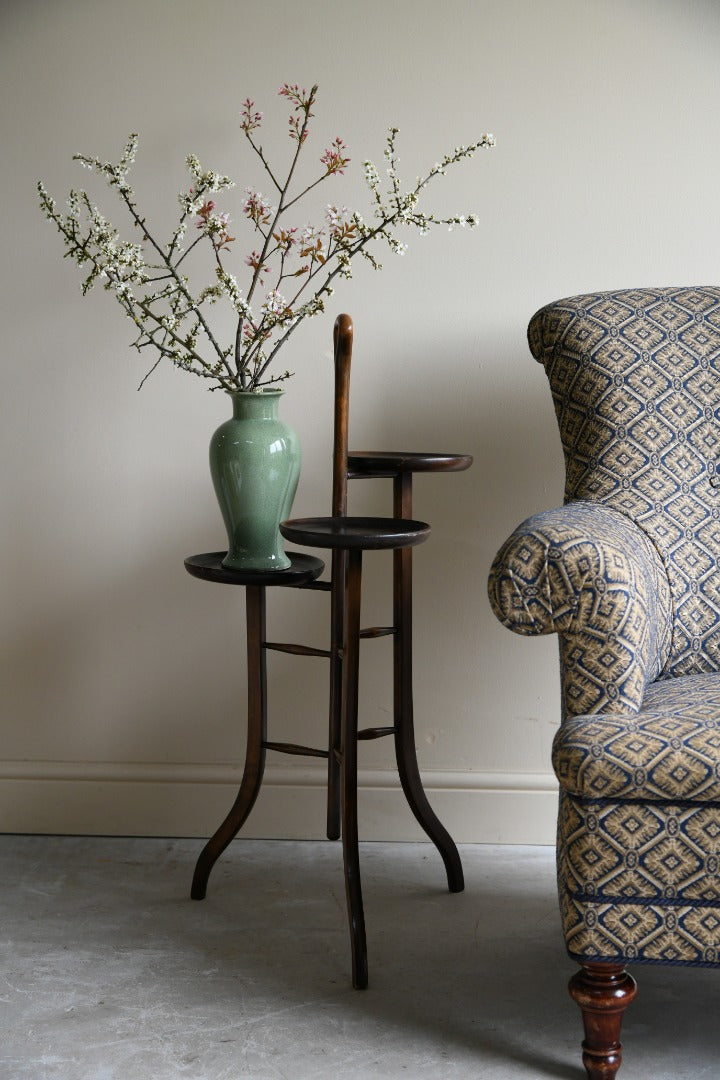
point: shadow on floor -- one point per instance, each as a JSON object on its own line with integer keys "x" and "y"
{"x": 115, "y": 968}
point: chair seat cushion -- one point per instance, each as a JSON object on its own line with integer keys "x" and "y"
{"x": 669, "y": 750}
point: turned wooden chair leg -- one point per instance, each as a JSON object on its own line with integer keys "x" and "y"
{"x": 603, "y": 992}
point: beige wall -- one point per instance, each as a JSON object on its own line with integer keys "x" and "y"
{"x": 123, "y": 683}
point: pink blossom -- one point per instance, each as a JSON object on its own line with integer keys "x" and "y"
{"x": 215, "y": 226}
{"x": 204, "y": 213}
{"x": 285, "y": 239}
{"x": 254, "y": 261}
{"x": 302, "y": 103}
{"x": 333, "y": 158}
{"x": 300, "y": 98}
{"x": 257, "y": 207}
{"x": 296, "y": 131}
{"x": 249, "y": 120}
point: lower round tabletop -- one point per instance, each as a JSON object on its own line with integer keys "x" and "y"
{"x": 303, "y": 569}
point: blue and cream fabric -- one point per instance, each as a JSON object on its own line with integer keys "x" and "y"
{"x": 635, "y": 379}
{"x": 587, "y": 573}
{"x": 638, "y": 882}
{"x": 628, "y": 574}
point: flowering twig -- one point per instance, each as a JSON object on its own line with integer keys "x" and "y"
{"x": 149, "y": 280}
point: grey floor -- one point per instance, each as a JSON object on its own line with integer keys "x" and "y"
{"x": 110, "y": 972}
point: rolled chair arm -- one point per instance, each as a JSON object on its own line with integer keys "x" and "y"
{"x": 591, "y": 575}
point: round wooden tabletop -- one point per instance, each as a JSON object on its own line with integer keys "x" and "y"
{"x": 303, "y": 568}
{"x": 365, "y": 533}
{"x": 392, "y": 462}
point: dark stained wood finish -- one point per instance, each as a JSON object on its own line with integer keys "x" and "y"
{"x": 343, "y": 342}
{"x": 295, "y": 748}
{"x": 296, "y": 650}
{"x": 256, "y": 738}
{"x": 348, "y": 767}
{"x": 348, "y": 533}
{"x": 338, "y": 573}
{"x": 603, "y": 992}
{"x": 405, "y": 752}
{"x": 375, "y": 463}
{"x": 375, "y": 732}
{"x": 347, "y": 538}
{"x": 303, "y": 570}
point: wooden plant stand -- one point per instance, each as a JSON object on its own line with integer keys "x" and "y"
{"x": 347, "y": 538}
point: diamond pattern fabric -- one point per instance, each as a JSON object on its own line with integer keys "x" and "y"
{"x": 634, "y": 379}
{"x": 639, "y": 882}
{"x": 627, "y": 573}
{"x": 669, "y": 751}
{"x": 589, "y": 574}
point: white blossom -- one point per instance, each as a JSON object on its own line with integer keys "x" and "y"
{"x": 274, "y": 304}
{"x": 372, "y": 177}
{"x": 152, "y": 280}
{"x": 311, "y": 234}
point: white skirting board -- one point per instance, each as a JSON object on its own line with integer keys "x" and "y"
{"x": 112, "y": 799}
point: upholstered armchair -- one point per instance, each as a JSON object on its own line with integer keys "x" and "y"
{"x": 627, "y": 574}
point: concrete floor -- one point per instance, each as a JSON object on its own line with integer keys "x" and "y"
{"x": 110, "y": 972}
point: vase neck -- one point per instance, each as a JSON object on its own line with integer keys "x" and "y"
{"x": 248, "y": 405}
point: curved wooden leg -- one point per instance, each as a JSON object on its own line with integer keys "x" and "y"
{"x": 256, "y": 737}
{"x": 417, "y": 800}
{"x": 603, "y": 992}
{"x": 348, "y": 758}
{"x": 405, "y": 751}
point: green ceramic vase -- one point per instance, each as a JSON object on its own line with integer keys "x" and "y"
{"x": 255, "y": 465}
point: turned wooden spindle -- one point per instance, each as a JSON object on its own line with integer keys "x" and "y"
{"x": 603, "y": 992}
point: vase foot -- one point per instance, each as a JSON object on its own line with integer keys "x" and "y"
{"x": 259, "y": 565}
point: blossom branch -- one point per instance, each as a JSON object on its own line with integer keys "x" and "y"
{"x": 155, "y": 292}
{"x": 178, "y": 279}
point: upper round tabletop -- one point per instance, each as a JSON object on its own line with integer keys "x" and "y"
{"x": 303, "y": 568}
{"x": 391, "y": 462}
{"x": 364, "y": 533}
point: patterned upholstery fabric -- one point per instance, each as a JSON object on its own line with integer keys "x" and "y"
{"x": 634, "y": 379}
{"x": 589, "y": 574}
{"x": 639, "y": 827}
{"x": 669, "y": 751}
{"x": 638, "y": 882}
{"x": 628, "y": 574}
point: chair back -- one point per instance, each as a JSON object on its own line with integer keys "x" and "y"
{"x": 635, "y": 379}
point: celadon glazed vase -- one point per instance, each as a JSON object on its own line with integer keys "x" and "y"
{"x": 255, "y": 465}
